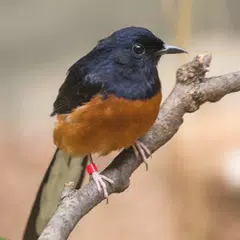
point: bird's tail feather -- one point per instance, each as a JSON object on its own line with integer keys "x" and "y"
{"x": 62, "y": 169}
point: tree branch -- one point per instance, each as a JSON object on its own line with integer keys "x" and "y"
{"x": 192, "y": 89}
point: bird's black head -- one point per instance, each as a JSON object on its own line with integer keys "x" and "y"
{"x": 136, "y": 43}
{"x": 125, "y": 63}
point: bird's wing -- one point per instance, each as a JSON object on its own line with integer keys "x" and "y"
{"x": 75, "y": 91}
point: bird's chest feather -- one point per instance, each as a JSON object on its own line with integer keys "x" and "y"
{"x": 105, "y": 125}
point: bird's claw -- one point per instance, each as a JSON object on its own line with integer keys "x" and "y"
{"x": 141, "y": 149}
{"x": 100, "y": 179}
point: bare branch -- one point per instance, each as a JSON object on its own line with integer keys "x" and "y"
{"x": 192, "y": 89}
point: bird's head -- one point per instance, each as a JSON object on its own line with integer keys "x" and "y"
{"x": 125, "y": 63}
{"x": 136, "y": 43}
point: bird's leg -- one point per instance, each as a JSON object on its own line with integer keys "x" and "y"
{"x": 97, "y": 177}
{"x": 140, "y": 149}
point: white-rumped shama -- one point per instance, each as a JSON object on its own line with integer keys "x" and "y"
{"x": 111, "y": 97}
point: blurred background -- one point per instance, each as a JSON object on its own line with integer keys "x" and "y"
{"x": 192, "y": 188}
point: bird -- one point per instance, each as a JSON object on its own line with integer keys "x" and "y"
{"x": 111, "y": 97}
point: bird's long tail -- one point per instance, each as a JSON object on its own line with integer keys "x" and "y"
{"x": 62, "y": 169}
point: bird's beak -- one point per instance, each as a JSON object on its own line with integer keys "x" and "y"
{"x": 167, "y": 49}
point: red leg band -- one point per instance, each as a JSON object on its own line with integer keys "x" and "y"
{"x": 91, "y": 168}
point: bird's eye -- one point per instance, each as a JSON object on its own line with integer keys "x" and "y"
{"x": 138, "y": 49}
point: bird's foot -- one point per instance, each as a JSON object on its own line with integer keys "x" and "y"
{"x": 100, "y": 179}
{"x": 141, "y": 149}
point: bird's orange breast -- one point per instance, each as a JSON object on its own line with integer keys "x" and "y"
{"x": 105, "y": 125}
